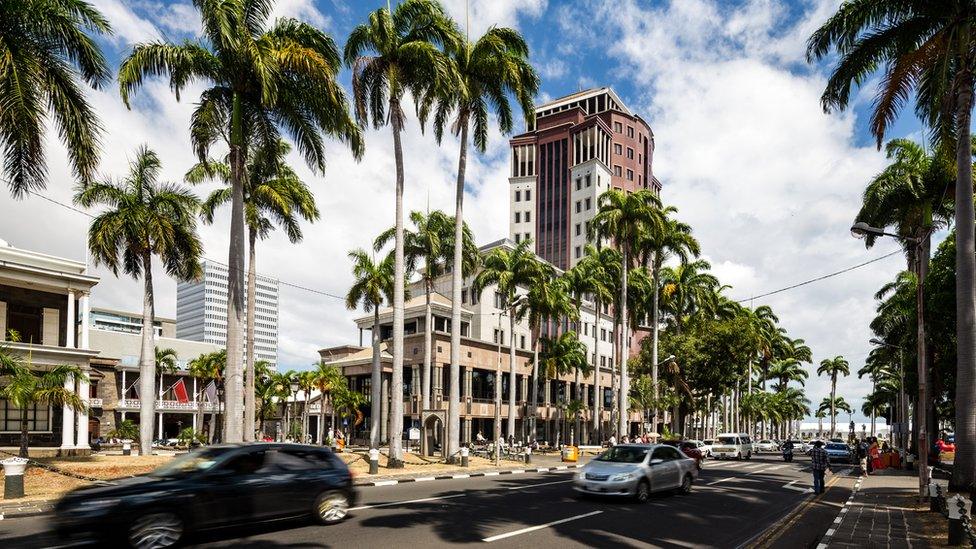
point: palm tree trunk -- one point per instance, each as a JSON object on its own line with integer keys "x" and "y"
{"x": 510, "y": 431}
{"x": 964, "y": 469}
{"x": 320, "y": 424}
{"x": 622, "y": 426}
{"x": 375, "y": 384}
{"x": 396, "y": 384}
{"x": 454, "y": 388}
{"x": 147, "y": 362}
{"x": 833, "y": 412}
{"x": 598, "y": 394}
{"x": 249, "y": 337}
{"x": 305, "y": 416}
{"x": 535, "y": 381}
{"x": 23, "y": 432}
{"x": 428, "y": 346}
{"x": 655, "y": 336}
{"x": 233, "y": 378}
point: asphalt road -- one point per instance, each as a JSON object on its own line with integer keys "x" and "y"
{"x": 732, "y": 504}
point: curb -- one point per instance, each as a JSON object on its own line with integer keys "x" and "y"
{"x": 825, "y": 540}
{"x": 467, "y": 475}
{"x": 30, "y": 511}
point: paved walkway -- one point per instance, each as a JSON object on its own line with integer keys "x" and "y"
{"x": 882, "y": 512}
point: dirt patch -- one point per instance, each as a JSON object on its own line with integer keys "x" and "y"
{"x": 42, "y": 484}
{"x": 359, "y": 464}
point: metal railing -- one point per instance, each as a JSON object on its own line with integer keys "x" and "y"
{"x": 169, "y": 405}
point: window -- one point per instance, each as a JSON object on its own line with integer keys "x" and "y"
{"x": 577, "y": 252}
{"x": 579, "y": 206}
{"x": 517, "y": 240}
{"x": 589, "y": 203}
{"x": 475, "y": 297}
{"x": 640, "y": 180}
{"x": 630, "y": 131}
{"x": 499, "y": 300}
{"x": 617, "y": 171}
{"x": 464, "y": 292}
{"x": 579, "y": 229}
{"x": 528, "y": 215}
{"x": 518, "y": 196}
{"x": 522, "y": 341}
{"x": 586, "y": 331}
{"x": 630, "y": 175}
{"x": 518, "y": 217}
{"x": 26, "y": 320}
{"x": 639, "y": 158}
{"x": 38, "y": 417}
{"x": 618, "y": 148}
{"x": 579, "y": 183}
{"x": 630, "y": 153}
{"x": 603, "y": 361}
{"x": 527, "y": 237}
{"x": 528, "y": 195}
{"x": 603, "y": 334}
{"x": 618, "y": 127}
{"x": 587, "y": 180}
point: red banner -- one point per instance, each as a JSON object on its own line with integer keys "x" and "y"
{"x": 179, "y": 389}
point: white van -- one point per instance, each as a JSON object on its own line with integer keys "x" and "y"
{"x": 732, "y": 446}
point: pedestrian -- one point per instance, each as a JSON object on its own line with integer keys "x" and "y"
{"x": 613, "y": 440}
{"x": 818, "y": 464}
{"x": 480, "y": 438}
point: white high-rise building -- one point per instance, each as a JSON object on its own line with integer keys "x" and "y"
{"x": 201, "y": 311}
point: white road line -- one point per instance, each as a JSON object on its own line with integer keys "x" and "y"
{"x": 543, "y": 484}
{"x": 539, "y": 527}
{"x": 421, "y": 500}
{"x": 735, "y": 477}
{"x": 790, "y": 485}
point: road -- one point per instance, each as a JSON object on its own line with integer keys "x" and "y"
{"x": 732, "y": 504}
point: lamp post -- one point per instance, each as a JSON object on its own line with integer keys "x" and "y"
{"x": 902, "y": 407}
{"x": 861, "y": 230}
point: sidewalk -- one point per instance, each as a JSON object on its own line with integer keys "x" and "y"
{"x": 884, "y": 512}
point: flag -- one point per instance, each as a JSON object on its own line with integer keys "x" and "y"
{"x": 135, "y": 387}
{"x": 211, "y": 391}
{"x": 179, "y": 389}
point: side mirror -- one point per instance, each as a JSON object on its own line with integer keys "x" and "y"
{"x": 657, "y": 461}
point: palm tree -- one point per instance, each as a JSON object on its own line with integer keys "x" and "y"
{"x": 145, "y": 218}
{"x": 46, "y": 46}
{"x": 326, "y": 379}
{"x": 483, "y": 75}
{"x": 430, "y": 245}
{"x": 166, "y": 360}
{"x": 393, "y": 53}
{"x": 263, "y": 81}
{"x": 26, "y": 387}
{"x": 786, "y": 370}
{"x": 686, "y": 289}
{"x": 560, "y": 356}
{"x": 509, "y": 270}
{"x": 273, "y": 194}
{"x": 923, "y": 47}
{"x": 875, "y": 404}
{"x": 306, "y": 382}
{"x": 622, "y": 218}
{"x": 210, "y": 366}
{"x": 373, "y": 282}
{"x": 833, "y": 367}
{"x": 601, "y": 267}
{"x": 832, "y": 405}
{"x": 820, "y": 414}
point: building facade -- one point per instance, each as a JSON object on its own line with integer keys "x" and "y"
{"x": 201, "y": 311}
{"x": 580, "y": 146}
{"x": 129, "y": 323}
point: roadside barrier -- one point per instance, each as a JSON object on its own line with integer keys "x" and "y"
{"x": 957, "y": 510}
{"x": 59, "y": 471}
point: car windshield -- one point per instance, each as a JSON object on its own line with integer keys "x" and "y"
{"x": 624, "y": 454}
{"x": 837, "y": 446}
{"x": 201, "y": 460}
{"x": 728, "y": 440}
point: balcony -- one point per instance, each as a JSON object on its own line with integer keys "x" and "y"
{"x": 169, "y": 405}
{"x": 94, "y": 403}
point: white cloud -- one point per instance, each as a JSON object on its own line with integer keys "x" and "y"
{"x": 128, "y": 26}
{"x": 304, "y": 10}
{"x": 501, "y": 13}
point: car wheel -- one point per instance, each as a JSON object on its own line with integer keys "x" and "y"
{"x": 643, "y": 492}
{"x": 685, "y": 487}
{"x": 331, "y": 507}
{"x": 155, "y": 531}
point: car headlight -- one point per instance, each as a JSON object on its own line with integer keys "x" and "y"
{"x": 581, "y": 475}
{"x": 620, "y": 477}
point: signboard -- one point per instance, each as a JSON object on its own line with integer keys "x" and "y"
{"x": 413, "y": 434}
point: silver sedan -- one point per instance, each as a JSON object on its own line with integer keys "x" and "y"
{"x": 636, "y": 470}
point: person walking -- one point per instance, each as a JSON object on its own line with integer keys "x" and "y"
{"x": 818, "y": 464}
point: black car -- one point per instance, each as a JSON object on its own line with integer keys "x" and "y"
{"x": 213, "y": 487}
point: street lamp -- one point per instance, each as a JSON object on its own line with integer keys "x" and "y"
{"x": 861, "y": 230}
{"x": 902, "y": 397}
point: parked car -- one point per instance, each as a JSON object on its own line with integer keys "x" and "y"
{"x": 765, "y": 446}
{"x": 838, "y": 452}
{"x": 800, "y": 447}
{"x": 706, "y": 447}
{"x": 689, "y": 448}
{"x": 213, "y": 487}
{"x": 732, "y": 446}
{"x": 636, "y": 470}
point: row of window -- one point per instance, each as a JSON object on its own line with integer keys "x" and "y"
{"x": 528, "y": 195}
{"x": 618, "y": 171}
{"x": 522, "y": 236}
{"x": 580, "y": 203}
{"x": 619, "y": 128}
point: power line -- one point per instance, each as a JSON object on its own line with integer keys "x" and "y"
{"x": 823, "y": 277}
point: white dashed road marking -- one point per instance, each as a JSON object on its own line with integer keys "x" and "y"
{"x": 539, "y": 527}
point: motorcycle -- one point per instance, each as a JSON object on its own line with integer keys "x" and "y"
{"x": 787, "y": 455}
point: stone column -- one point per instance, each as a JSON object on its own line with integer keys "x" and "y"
{"x": 83, "y": 392}
{"x": 70, "y": 325}
{"x": 466, "y": 430}
{"x": 68, "y": 419}
{"x": 85, "y": 320}
{"x": 385, "y": 409}
{"x": 159, "y": 426}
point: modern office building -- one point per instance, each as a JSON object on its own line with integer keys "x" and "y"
{"x": 580, "y": 146}
{"x": 201, "y": 311}
{"x": 130, "y": 323}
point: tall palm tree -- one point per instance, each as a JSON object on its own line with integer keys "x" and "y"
{"x": 46, "y": 47}
{"x": 211, "y": 366}
{"x": 509, "y": 270}
{"x": 273, "y": 195}
{"x": 327, "y": 378}
{"x": 833, "y": 404}
{"x": 430, "y": 245}
{"x": 263, "y": 81}
{"x": 393, "y": 53}
{"x": 786, "y": 370}
{"x": 832, "y": 368}
{"x": 373, "y": 282}
{"x": 306, "y": 382}
{"x": 925, "y": 47}
{"x": 145, "y": 218}
{"x": 602, "y": 268}
{"x": 483, "y": 74}
{"x": 622, "y": 218}
{"x": 686, "y": 289}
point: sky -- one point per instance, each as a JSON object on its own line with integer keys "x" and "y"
{"x": 769, "y": 182}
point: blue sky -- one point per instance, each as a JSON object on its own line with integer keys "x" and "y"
{"x": 770, "y": 183}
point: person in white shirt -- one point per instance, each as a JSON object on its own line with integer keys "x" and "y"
{"x": 613, "y": 440}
